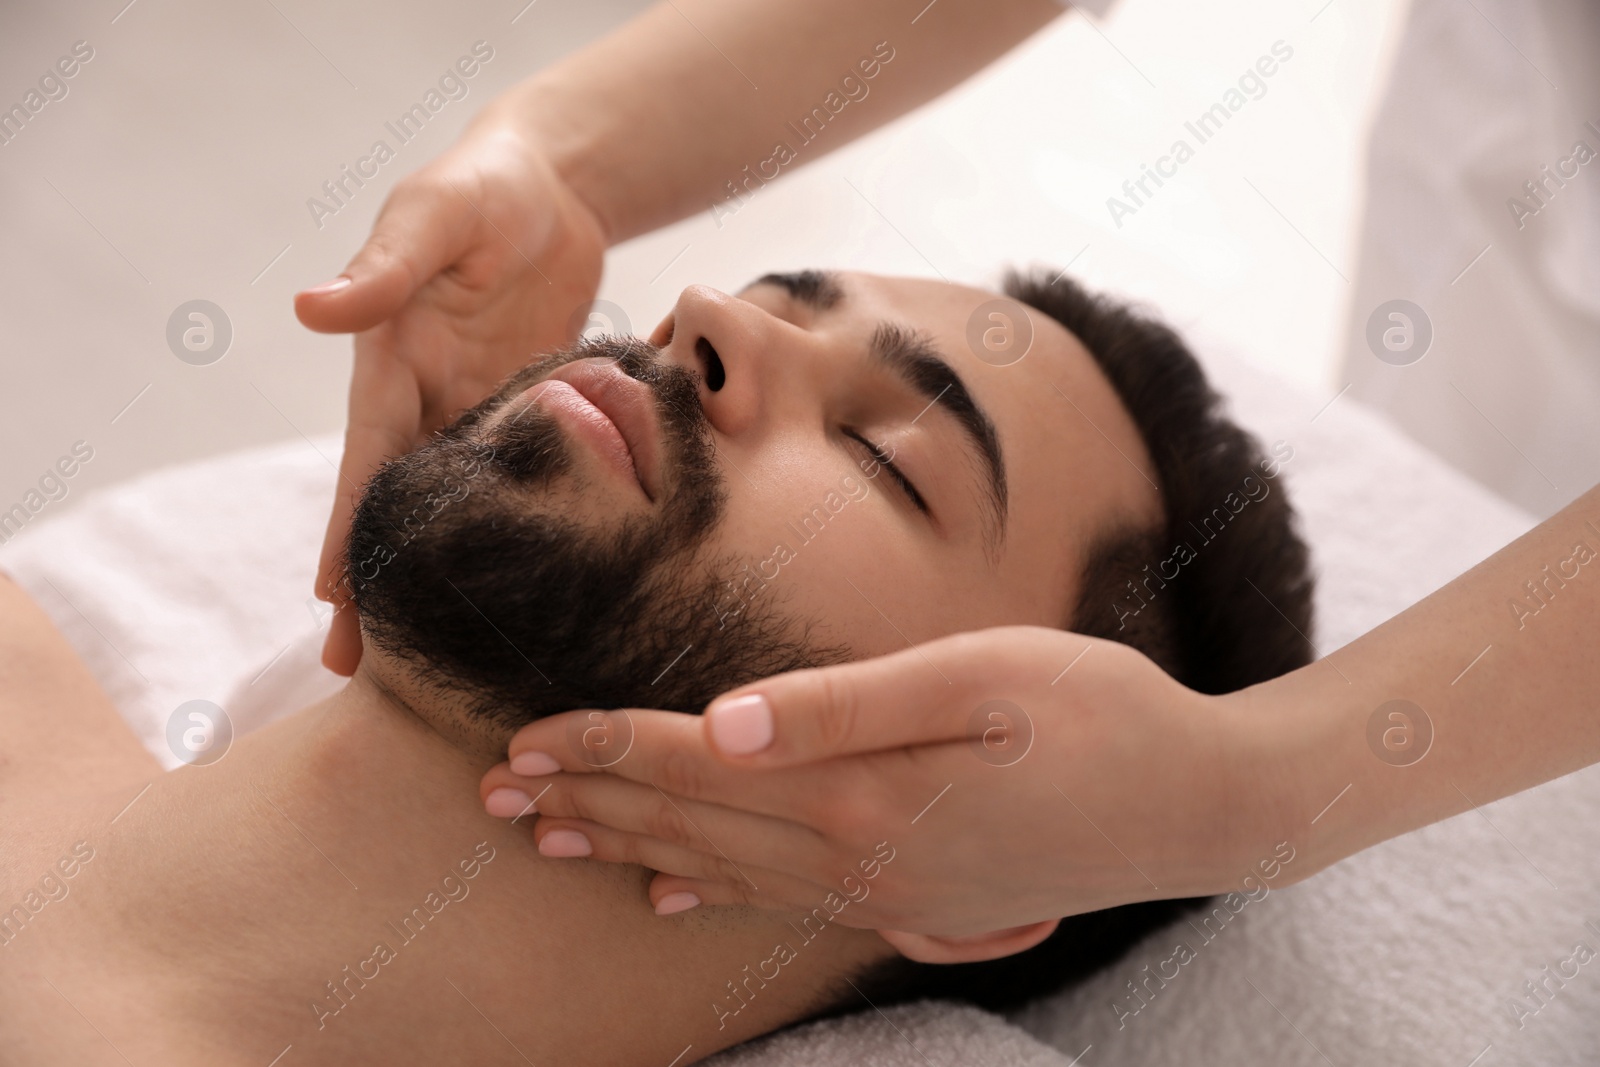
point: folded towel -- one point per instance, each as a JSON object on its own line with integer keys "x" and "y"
{"x": 195, "y": 583}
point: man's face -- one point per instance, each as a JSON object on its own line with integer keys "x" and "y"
{"x": 818, "y": 468}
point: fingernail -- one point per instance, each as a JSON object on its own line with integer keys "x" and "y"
{"x": 564, "y": 843}
{"x": 743, "y": 726}
{"x": 334, "y": 286}
{"x": 673, "y": 903}
{"x": 533, "y": 764}
{"x": 506, "y": 803}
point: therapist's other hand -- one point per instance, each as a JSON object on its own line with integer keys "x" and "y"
{"x": 1114, "y": 784}
{"x": 476, "y": 262}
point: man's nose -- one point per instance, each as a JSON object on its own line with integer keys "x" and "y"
{"x": 750, "y": 363}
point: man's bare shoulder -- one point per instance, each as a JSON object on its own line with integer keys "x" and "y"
{"x": 59, "y": 732}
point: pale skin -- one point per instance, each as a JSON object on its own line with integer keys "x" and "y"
{"x": 645, "y": 127}
{"x": 216, "y": 902}
{"x": 488, "y": 253}
{"x": 1292, "y": 756}
{"x": 268, "y": 872}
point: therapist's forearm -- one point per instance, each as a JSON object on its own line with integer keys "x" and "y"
{"x": 1507, "y": 674}
{"x": 650, "y": 123}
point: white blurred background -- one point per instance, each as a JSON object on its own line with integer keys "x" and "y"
{"x": 179, "y": 165}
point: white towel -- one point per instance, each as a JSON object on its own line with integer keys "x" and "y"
{"x": 195, "y": 583}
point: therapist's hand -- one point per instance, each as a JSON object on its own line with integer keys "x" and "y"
{"x": 1099, "y": 781}
{"x": 476, "y": 262}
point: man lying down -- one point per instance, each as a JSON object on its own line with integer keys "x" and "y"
{"x": 332, "y": 891}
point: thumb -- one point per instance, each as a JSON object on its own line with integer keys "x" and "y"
{"x": 422, "y": 229}
{"x": 926, "y": 694}
{"x": 385, "y": 420}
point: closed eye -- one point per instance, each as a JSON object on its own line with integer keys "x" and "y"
{"x": 886, "y": 461}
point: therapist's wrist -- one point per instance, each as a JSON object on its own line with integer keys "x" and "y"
{"x": 574, "y": 137}
{"x": 533, "y": 115}
{"x": 1255, "y": 807}
{"x": 1321, "y": 786}
{"x": 1286, "y": 738}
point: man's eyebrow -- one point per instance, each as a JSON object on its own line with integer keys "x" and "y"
{"x": 818, "y": 290}
{"x": 912, "y": 357}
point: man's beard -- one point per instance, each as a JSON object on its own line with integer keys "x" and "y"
{"x": 460, "y": 568}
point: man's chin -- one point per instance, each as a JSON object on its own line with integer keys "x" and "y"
{"x": 405, "y": 689}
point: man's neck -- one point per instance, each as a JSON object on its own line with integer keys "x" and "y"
{"x": 334, "y": 882}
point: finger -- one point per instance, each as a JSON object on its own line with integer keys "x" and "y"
{"x": 926, "y": 694}
{"x": 423, "y": 228}
{"x": 341, "y": 649}
{"x": 970, "y": 948}
{"x": 666, "y": 749}
{"x": 734, "y": 883}
{"x": 384, "y": 420}
{"x": 710, "y": 829}
{"x": 671, "y": 894}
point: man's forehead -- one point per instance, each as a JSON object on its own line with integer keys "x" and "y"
{"x": 896, "y": 288}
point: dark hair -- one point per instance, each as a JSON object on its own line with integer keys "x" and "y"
{"x": 1237, "y": 612}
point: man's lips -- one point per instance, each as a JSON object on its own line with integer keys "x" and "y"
{"x": 612, "y": 411}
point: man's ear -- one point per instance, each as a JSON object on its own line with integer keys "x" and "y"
{"x": 926, "y": 948}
